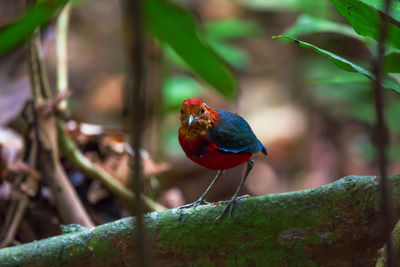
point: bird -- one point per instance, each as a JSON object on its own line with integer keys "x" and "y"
{"x": 218, "y": 140}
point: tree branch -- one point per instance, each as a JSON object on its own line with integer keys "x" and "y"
{"x": 67, "y": 201}
{"x": 337, "y": 224}
{"x": 382, "y": 136}
{"x": 62, "y": 54}
{"x": 75, "y": 156}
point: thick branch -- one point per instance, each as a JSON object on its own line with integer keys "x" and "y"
{"x": 334, "y": 225}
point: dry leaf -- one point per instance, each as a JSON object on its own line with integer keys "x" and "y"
{"x": 118, "y": 167}
{"x": 115, "y": 142}
{"x": 97, "y": 192}
{"x": 151, "y": 168}
{"x": 11, "y": 149}
{"x": 172, "y": 198}
{"x": 114, "y": 154}
{"x": 82, "y": 132}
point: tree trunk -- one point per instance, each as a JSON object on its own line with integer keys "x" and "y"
{"x": 335, "y": 225}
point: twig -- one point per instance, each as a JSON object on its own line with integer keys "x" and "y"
{"x": 62, "y": 55}
{"x": 33, "y": 67}
{"x": 55, "y": 103}
{"x": 382, "y": 136}
{"x": 20, "y": 199}
{"x": 8, "y": 221}
{"x": 133, "y": 19}
{"x": 67, "y": 146}
{"x": 16, "y": 220}
{"x": 387, "y": 16}
{"x": 75, "y": 156}
{"x": 68, "y": 203}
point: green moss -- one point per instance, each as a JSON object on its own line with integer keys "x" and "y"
{"x": 72, "y": 228}
{"x": 333, "y": 236}
{"x": 315, "y": 239}
{"x": 193, "y": 231}
{"x": 232, "y": 234}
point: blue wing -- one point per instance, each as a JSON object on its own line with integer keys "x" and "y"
{"x": 233, "y": 134}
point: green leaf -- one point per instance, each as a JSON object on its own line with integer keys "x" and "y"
{"x": 342, "y": 62}
{"x": 19, "y": 31}
{"x": 392, "y": 63}
{"x": 319, "y": 8}
{"x": 173, "y": 25}
{"x": 170, "y": 140}
{"x": 379, "y": 4}
{"x": 231, "y": 29}
{"x": 347, "y": 77}
{"x": 175, "y": 58}
{"x": 306, "y": 24}
{"x": 235, "y": 56}
{"x": 368, "y": 151}
{"x": 366, "y": 20}
{"x": 339, "y": 61}
{"x": 394, "y": 154}
{"x": 364, "y": 112}
{"x": 176, "y": 89}
{"x": 391, "y": 85}
{"x": 392, "y": 115}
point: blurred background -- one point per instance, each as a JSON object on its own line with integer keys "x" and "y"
{"x": 315, "y": 119}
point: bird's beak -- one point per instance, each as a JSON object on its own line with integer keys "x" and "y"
{"x": 192, "y": 119}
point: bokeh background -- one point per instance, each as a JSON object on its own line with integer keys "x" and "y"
{"x": 315, "y": 119}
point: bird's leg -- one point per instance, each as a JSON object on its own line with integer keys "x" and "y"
{"x": 231, "y": 203}
{"x": 201, "y": 200}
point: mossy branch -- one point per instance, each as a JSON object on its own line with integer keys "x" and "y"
{"x": 337, "y": 225}
{"x": 382, "y": 259}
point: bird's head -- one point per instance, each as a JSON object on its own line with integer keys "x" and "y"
{"x": 196, "y": 115}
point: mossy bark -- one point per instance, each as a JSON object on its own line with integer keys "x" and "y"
{"x": 381, "y": 262}
{"x": 335, "y": 225}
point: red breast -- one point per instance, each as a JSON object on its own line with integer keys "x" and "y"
{"x": 208, "y": 155}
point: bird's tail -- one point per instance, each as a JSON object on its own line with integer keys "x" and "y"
{"x": 263, "y": 149}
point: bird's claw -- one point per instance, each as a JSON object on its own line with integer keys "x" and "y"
{"x": 244, "y": 196}
{"x": 238, "y": 198}
{"x": 198, "y": 202}
{"x": 230, "y": 206}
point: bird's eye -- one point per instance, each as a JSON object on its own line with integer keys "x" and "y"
{"x": 202, "y": 110}
{"x": 181, "y": 111}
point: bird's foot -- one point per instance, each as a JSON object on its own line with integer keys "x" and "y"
{"x": 229, "y": 206}
{"x": 198, "y": 202}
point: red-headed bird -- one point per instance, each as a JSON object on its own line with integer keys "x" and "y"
{"x": 218, "y": 140}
